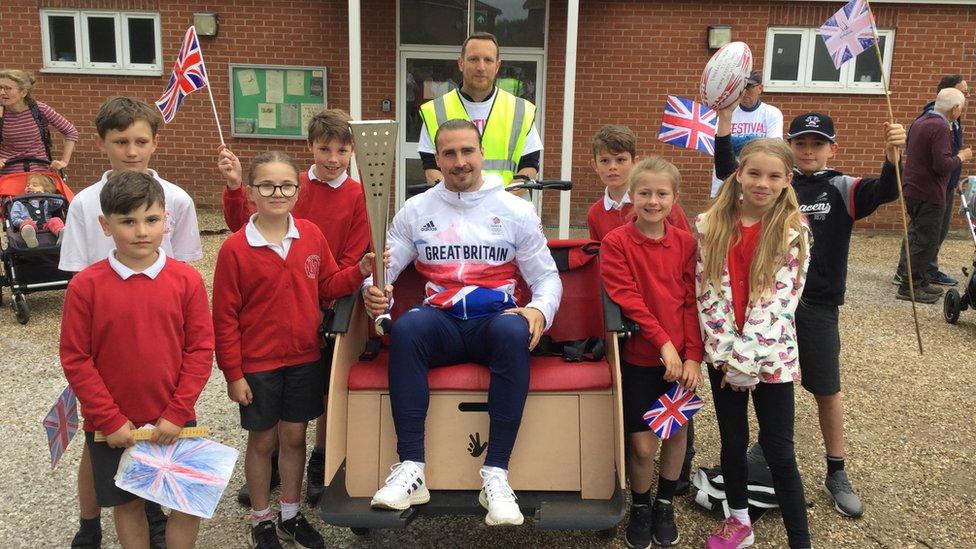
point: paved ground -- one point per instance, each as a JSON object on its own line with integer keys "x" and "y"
{"x": 910, "y": 425}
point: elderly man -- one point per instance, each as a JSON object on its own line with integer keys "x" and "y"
{"x": 508, "y": 134}
{"x": 468, "y": 238}
{"x": 930, "y": 161}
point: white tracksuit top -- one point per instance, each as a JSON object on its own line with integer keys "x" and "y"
{"x": 469, "y": 246}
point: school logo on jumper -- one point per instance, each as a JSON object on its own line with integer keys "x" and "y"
{"x": 429, "y": 226}
{"x": 475, "y": 446}
{"x": 312, "y": 265}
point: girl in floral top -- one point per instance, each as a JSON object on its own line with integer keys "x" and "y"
{"x": 753, "y": 255}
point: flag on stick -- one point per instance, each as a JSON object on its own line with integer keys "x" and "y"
{"x": 688, "y": 124}
{"x": 672, "y": 410}
{"x": 849, "y": 32}
{"x": 61, "y": 424}
{"x": 189, "y": 75}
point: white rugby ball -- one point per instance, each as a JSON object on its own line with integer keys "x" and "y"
{"x": 725, "y": 75}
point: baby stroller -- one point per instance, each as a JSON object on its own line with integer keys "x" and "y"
{"x": 26, "y": 269}
{"x": 953, "y": 303}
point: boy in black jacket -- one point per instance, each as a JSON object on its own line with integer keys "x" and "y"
{"x": 832, "y": 202}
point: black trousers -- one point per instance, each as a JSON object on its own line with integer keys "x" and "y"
{"x": 773, "y": 403}
{"x": 924, "y": 231}
{"x": 946, "y": 221}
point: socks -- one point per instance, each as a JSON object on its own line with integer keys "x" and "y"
{"x": 666, "y": 489}
{"x": 741, "y": 515}
{"x": 641, "y": 498}
{"x": 318, "y": 452}
{"x": 834, "y": 464}
{"x": 257, "y": 517}
{"x": 288, "y": 509}
{"x": 92, "y": 525}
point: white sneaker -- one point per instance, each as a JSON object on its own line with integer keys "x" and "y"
{"x": 29, "y": 233}
{"x": 498, "y": 498}
{"x": 404, "y": 487}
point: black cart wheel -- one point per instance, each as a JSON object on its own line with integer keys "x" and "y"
{"x": 950, "y": 306}
{"x": 21, "y": 308}
{"x": 361, "y": 532}
{"x": 609, "y": 533}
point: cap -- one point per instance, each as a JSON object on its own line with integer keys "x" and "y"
{"x": 755, "y": 77}
{"x": 812, "y": 122}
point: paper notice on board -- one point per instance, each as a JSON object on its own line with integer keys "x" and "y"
{"x": 245, "y": 125}
{"x": 309, "y": 110}
{"x": 295, "y": 82}
{"x": 267, "y": 115}
{"x": 248, "y": 82}
{"x": 274, "y": 86}
{"x": 316, "y": 85}
{"x": 289, "y": 115}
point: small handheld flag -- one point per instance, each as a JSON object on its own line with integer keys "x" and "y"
{"x": 61, "y": 424}
{"x": 672, "y": 410}
{"x": 189, "y": 75}
{"x": 848, "y": 32}
{"x": 688, "y": 124}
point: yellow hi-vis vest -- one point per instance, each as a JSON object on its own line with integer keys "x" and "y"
{"x": 506, "y": 129}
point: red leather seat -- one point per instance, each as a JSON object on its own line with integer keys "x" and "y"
{"x": 547, "y": 373}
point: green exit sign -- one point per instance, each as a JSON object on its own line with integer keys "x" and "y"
{"x": 480, "y": 17}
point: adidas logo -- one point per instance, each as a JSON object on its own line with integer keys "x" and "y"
{"x": 429, "y": 226}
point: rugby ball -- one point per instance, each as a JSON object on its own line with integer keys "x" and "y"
{"x": 725, "y": 75}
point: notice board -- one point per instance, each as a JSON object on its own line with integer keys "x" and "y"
{"x": 275, "y": 101}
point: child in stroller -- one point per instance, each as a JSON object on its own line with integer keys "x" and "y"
{"x": 31, "y": 212}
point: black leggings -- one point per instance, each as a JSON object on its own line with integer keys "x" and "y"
{"x": 774, "y": 410}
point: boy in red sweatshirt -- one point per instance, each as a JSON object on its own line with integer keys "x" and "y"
{"x": 614, "y": 155}
{"x": 335, "y": 203}
{"x": 134, "y": 362}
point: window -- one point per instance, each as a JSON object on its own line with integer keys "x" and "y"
{"x": 515, "y": 23}
{"x": 797, "y": 61}
{"x": 101, "y": 42}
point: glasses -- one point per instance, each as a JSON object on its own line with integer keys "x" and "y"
{"x": 267, "y": 190}
{"x": 8, "y": 88}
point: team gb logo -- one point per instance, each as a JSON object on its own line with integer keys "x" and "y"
{"x": 312, "y": 264}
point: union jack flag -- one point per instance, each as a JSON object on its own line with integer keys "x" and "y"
{"x": 688, "y": 124}
{"x": 189, "y": 75}
{"x": 672, "y": 410}
{"x": 189, "y": 475}
{"x": 848, "y": 32}
{"x": 61, "y": 424}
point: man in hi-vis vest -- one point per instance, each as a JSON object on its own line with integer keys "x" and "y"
{"x": 508, "y": 134}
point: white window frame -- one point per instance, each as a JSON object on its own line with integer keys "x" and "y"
{"x": 804, "y": 82}
{"x": 83, "y": 63}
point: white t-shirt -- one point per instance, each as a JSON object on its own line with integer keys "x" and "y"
{"x": 478, "y": 113}
{"x": 764, "y": 120}
{"x": 84, "y": 242}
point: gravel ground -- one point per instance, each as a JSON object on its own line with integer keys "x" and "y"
{"x": 918, "y": 494}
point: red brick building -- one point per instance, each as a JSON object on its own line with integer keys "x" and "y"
{"x": 630, "y": 55}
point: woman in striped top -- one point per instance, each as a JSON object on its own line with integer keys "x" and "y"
{"x": 20, "y": 131}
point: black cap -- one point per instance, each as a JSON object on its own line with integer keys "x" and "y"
{"x": 812, "y": 122}
{"x": 755, "y": 77}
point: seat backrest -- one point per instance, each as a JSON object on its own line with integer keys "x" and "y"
{"x": 580, "y": 312}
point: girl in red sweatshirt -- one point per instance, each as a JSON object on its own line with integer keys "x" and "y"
{"x": 648, "y": 269}
{"x": 271, "y": 278}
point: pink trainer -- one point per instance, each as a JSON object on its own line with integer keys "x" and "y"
{"x": 730, "y": 534}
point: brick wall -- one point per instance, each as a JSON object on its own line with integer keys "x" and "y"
{"x": 630, "y": 55}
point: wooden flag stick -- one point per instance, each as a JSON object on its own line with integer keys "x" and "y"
{"x": 146, "y": 434}
{"x": 213, "y": 105}
{"x": 901, "y": 196}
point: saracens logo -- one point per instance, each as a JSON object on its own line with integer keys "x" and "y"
{"x": 813, "y": 121}
{"x": 818, "y": 210}
{"x": 312, "y": 265}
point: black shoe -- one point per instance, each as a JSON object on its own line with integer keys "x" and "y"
{"x": 244, "y": 497}
{"x": 298, "y": 531}
{"x": 639, "y": 529}
{"x": 264, "y": 536}
{"x": 315, "y": 480}
{"x": 920, "y": 296}
{"x": 930, "y": 289}
{"x": 87, "y": 540}
{"x": 157, "y": 525}
{"x": 662, "y": 520}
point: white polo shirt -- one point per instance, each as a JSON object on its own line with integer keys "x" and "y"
{"x": 84, "y": 242}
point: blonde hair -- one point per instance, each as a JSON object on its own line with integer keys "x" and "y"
{"x": 46, "y": 182}
{"x": 722, "y": 220}
{"x": 653, "y": 164}
{"x": 23, "y": 79}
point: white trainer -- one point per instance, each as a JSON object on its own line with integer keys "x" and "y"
{"x": 29, "y": 234}
{"x": 404, "y": 487}
{"x": 498, "y": 498}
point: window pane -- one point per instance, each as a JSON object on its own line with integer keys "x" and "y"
{"x": 425, "y": 80}
{"x": 101, "y": 39}
{"x": 786, "y": 57}
{"x": 866, "y": 68}
{"x": 518, "y": 78}
{"x": 61, "y": 31}
{"x": 444, "y": 22}
{"x": 513, "y": 22}
{"x": 142, "y": 41}
{"x": 823, "y": 65}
